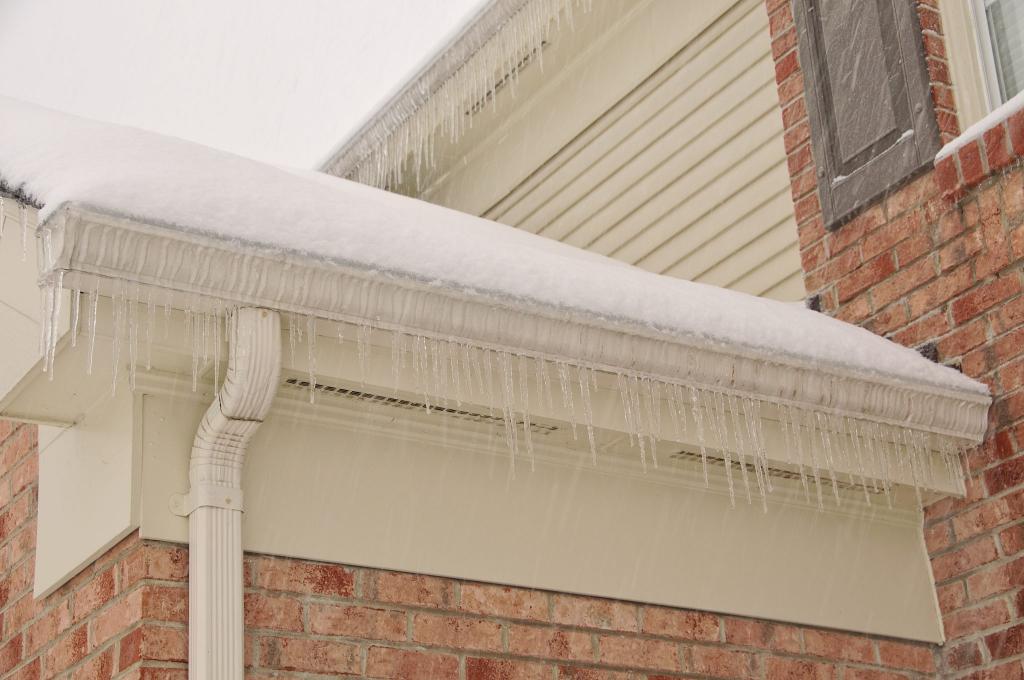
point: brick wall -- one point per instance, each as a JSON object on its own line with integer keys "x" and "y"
{"x": 125, "y": 617}
{"x": 126, "y": 609}
{"x": 937, "y": 264}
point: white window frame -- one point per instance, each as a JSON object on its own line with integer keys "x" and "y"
{"x": 986, "y": 54}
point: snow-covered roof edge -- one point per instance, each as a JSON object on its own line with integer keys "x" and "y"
{"x": 434, "y": 101}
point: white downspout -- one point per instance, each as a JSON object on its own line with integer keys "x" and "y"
{"x": 214, "y": 502}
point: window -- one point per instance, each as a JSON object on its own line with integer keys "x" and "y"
{"x": 1001, "y": 39}
{"x": 872, "y": 122}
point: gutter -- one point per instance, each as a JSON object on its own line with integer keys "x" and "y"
{"x": 214, "y": 503}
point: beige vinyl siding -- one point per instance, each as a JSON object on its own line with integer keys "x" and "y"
{"x": 686, "y": 175}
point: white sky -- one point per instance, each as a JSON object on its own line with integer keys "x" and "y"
{"x": 282, "y": 81}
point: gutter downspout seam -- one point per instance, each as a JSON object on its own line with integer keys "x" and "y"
{"x": 214, "y": 504}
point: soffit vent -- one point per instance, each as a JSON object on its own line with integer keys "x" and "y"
{"x": 410, "y": 405}
{"x": 780, "y": 473}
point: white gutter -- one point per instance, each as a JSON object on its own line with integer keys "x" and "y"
{"x": 214, "y": 502}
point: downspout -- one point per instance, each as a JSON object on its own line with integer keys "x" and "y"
{"x": 214, "y": 502}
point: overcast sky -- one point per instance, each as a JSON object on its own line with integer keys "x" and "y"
{"x": 282, "y": 81}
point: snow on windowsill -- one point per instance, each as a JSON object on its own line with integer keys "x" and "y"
{"x": 976, "y": 131}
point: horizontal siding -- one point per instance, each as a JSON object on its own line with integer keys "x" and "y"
{"x": 684, "y": 176}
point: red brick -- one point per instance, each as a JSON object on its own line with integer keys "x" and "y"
{"x": 314, "y": 656}
{"x": 385, "y": 662}
{"x": 723, "y": 663}
{"x": 550, "y": 643}
{"x": 1006, "y": 643}
{"x": 930, "y": 20}
{"x": 67, "y": 651}
{"x": 938, "y": 537}
{"x": 505, "y": 669}
{"x": 97, "y": 668}
{"x": 984, "y": 298}
{"x": 902, "y": 282}
{"x": 838, "y": 646}
{"x": 996, "y": 580}
{"x": 590, "y": 612}
{"x": 929, "y": 297}
{"x": 964, "y": 560}
{"x": 680, "y": 624}
{"x": 784, "y": 43}
{"x": 11, "y": 653}
{"x": 866, "y": 276}
{"x": 47, "y": 628}
{"x": 414, "y": 589}
{"x": 316, "y": 578}
{"x": 963, "y": 339}
{"x": 914, "y": 247}
{"x": 763, "y": 634}
{"x": 94, "y": 594}
{"x": 794, "y": 113}
{"x": 997, "y": 147}
{"x": 965, "y": 621}
{"x": 457, "y": 632}
{"x": 577, "y": 673}
{"x": 946, "y": 175}
{"x": 902, "y": 655}
{"x": 1015, "y": 130}
{"x": 963, "y": 656}
{"x": 360, "y": 622}
{"x": 798, "y": 160}
{"x": 1012, "y": 539}
{"x": 781, "y": 20}
{"x": 791, "y": 669}
{"x": 1009, "y": 474}
{"x": 791, "y": 88}
{"x": 164, "y": 603}
{"x": 971, "y": 167}
{"x": 116, "y": 619}
{"x": 278, "y": 613}
{"x": 513, "y": 603}
{"x": 951, "y": 596}
{"x": 925, "y": 329}
{"x": 786, "y": 67}
{"x": 639, "y": 653}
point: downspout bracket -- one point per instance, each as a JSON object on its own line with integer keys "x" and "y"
{"x": 206, "y": 496}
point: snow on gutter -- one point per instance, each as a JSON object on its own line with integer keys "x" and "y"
{"x": 464, "y": 74}
{"x": 193, "y": 226}
{"x": 978, "y": 129}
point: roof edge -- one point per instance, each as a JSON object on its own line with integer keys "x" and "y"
{"x": 462, "y": 70}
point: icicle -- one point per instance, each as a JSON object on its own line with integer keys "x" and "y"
{"x": 698, "y": 419}
{"x": 23, "y": 214}
{"x": 397, "y": 358}
{"x": 544, "y": 383}
{"x": 858, "y": 451}
{"x": 466, "y": 369}
{"x": 653, "y": 413}
{"x": 363, "y": 348}
{"x": 311, "y": 355}
{"x": 815, "y": 468}
{"x": 633, "y": 392}
{"x": 76, "y": 304}
{"x": 588, "y": 411}
{"x": 150, "y": 328}
{"x": 94, "y": 298}
{"x": 131, "y": 318}
{"x": 826, "y": 444}
{"x": 717, "y": 418}
{"x": 731, "y": 407}
{"x": 3, "y": 217}
{"x": 507, "y": 407}
{"x": 453, "y": 371}
{"x": 524, "y": 399}
{"x": 627, "y": 406}
{"x": 760, "y": 469}
{"x": 566, "y": 386}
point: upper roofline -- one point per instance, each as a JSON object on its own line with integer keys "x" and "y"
{"x": 410, "y": 96}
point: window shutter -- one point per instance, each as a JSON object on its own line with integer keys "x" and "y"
{"x": 872, "y": 121}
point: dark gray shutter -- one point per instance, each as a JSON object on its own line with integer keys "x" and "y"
{"x": 872, "y": 121}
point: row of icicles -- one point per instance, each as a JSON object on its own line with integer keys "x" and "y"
{"x": 446, "y": 370}
{"x": 414, "y": 124}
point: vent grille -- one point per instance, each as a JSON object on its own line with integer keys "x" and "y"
{"x": 409, "y": 405}
{"x": 779, "y": 473}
